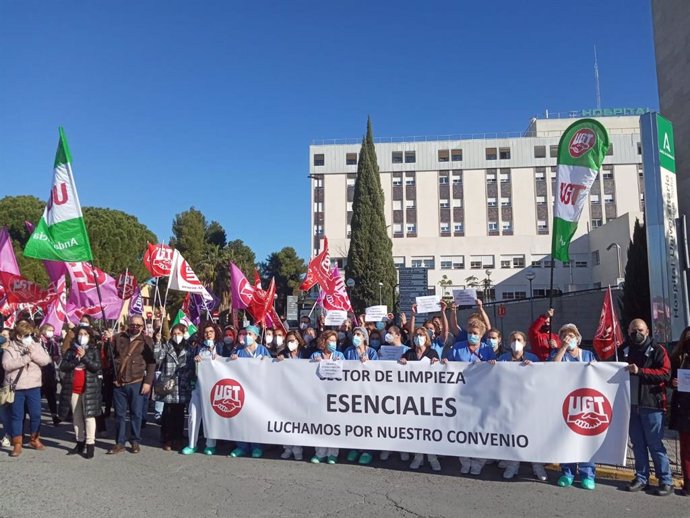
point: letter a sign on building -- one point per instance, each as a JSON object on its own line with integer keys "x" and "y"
{"x": 661, "y": 213}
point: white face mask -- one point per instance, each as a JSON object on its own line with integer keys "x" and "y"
{"x": 279, "y": 340}
{"x": 49, "y": 334}
{"x": 269, "y": 339}
{"x": 303, "y": 325}
{"x": 83, "y": 340}
{"x": 27, "y": 340}
{"x": 292, "y": 346}
{"x": 177, "y": 339}
{"x": 572, "y": 343}
{"x": 517, "y": 347}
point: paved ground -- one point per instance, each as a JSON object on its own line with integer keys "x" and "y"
{"x": 165, "y": 484}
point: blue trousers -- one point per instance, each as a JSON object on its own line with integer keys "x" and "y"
{"x": 248, "y": 446}
{"x": 587, "y": 470}
{"x": 646, "y": 435}
{"x": 124, "y": 397}
{"x": 26, "y": 400}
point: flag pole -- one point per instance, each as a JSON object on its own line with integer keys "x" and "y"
{"x": 553, "y": 264}
{"x": 615, "y": 323}
{"x": 98, "y": 292}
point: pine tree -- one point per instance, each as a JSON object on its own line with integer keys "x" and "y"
{"x": 635, "y": 301}
{"x": 370, "y": 257}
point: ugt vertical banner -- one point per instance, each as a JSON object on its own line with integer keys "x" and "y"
{"x": 661, "y": 213}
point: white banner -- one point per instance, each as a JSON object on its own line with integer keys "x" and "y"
{"x": 548, "y": 412}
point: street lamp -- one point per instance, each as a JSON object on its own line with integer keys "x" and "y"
{"x": 618, "y": 258}
{"x": 380, "y": 296}
{"x": 530, "y": 275}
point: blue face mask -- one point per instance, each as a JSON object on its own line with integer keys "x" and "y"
{"x": 356, "y": 341}
{"x": 331, "y": 346}
{"x": 419, "y": 341}
{"x": 375, "y": 344}
{"x": 380, "y": 326}
{"x": 473, "y": 339}
{"x": 249, "y": 340}
{"x": 208, "y": 343}
{"x": 493, "y": 342}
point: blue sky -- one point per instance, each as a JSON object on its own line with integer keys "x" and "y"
{"x": 170, "y": 104}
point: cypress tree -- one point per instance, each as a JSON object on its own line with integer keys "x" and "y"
{"x": 370, "y": 257}
{"x": 635, "y": 301}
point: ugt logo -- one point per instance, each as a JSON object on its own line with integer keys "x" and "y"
{"x": 570, "y": 193}
{"x": 587, "y": 411}
{"x": 227, "y": 398}
{"x": 583, "y": 140}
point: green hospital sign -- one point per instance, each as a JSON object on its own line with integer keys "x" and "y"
{"x": 667, "y": 151}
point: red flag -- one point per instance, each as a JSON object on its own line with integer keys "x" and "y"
{"x": 158, "y": 259}
{"x": 319, "y": 269}
{"x": 20, "y": 290}
{"x": 126, "y": 283}
{"x": 608, "y": 335}
{"x": 333, "y": 295}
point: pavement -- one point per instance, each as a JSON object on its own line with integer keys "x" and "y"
{"x": 166, "y": 484}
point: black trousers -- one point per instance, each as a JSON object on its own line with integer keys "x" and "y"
{"x": 172, "y": 422}
{"x": 49, "y": 387}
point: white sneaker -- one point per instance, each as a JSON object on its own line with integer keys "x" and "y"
{"x": 476, "y": 467}
{"x": 404, "y": 456}
{"x": 6, "y": 443}
{"x": 539, "y": 471}
{"x": 465, "y": 466}
{"x": 384, "y": 455}
{"x": 433, "y": 461}
{"x": 287, "y": 452}
{"x": 417, "y": 461}
{"x": 297, "y": 452}
{"x": 510, "y": 472}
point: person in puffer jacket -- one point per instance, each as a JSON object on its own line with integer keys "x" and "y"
{"x": 81, "y": 389}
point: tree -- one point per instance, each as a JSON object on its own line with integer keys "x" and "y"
{"x": 635, "y": 301}
{"x": 189, "y": 236}
{"x": 287, "y": 268}
{"x": 215, "y": 234}
{"x": 446, "y": 283}
{"x": 370, "y": 257}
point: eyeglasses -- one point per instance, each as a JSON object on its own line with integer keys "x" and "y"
{"x": 137, "y": 325}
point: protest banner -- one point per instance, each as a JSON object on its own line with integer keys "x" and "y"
{"x": 569, "y": 412}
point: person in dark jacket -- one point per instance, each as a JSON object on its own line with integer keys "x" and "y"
{"x": 135, "y": 368}
{"x": 680, "y": 406}
{"x": 173, "y": 359}
{"x": 81, "y": 389}
{"x": 49, "y": 373}
{"x": 650, "y": 371}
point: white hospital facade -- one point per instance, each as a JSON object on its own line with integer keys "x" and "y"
{"x": 462, "y": 205}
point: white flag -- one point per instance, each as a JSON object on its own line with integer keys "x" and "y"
{"x": 182, "y": 277}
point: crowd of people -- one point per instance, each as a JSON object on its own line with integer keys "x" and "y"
{"x": 99, "y": 371}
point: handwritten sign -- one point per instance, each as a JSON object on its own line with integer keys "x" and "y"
{"x": 375, "y": 313}
{"x": 391, "y": 352}
{"x": 683, "y": 380}
{"x": 428, "y": 304}
{"x": 330, "y": 369}
{"x": 466, "y": 297}
{"x": 335, "y": 317}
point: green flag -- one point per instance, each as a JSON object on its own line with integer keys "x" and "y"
{"x": 61, "y": 234}
{"x": 183, "y": 319}
{"x": 581, "y": 151}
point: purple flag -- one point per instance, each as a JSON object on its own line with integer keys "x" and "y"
{"x": 136, "y": 303}
{"x": 57, "y": 309}
{"x": 8, "y": 261}
{"x": 200, "y": 303}
{"x": 242, "y": 291}
{"x": 83, "y": 296}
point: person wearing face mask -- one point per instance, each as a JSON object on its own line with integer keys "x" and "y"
{"x": 22, "y": 360}
{"x": 175, "y": 362}
{"x": 438, "y": 336}
{"x": 81, "y": 390}
{"x": 207, "y": 350}
{"x": 278, "y": 341}
{"x": 268, "y": 339}
{"x": 422, "y": 350}
{"x": 393, "y": 337}
{"x": 650, "y": 373}
{"x": 229, "y": 344}
{"x": 327, "y": 350}
{"x": 493, "y": 338}
{"x": 472, "y": 351}
{"x": 49, "y": 373}
{"x": 253, "y": 350}
{"x": 361, "y": 351}
{"x": 459, "y": 334}
{"x": 570, "y": 351}
{"x": 541, "y": 339}
{"x": 305, "y": 322}
{"x": 292, "y": 350}
{"x": 135, "y": 368}
{"x": 516, "y": 353}
{"x": 680, "y": 406}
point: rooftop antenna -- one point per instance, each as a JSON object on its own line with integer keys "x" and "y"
{"x": 596, "y": 80}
